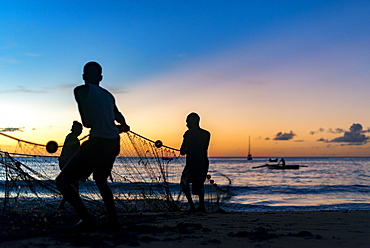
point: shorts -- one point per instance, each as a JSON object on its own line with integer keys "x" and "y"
{"x": 96, "y": 156}
{"x": 197, "y": 185}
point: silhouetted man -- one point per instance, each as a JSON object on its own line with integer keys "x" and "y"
{"x": 97, "y": 155}
{"x": 282, "y": 162}
{"x": 195, "y": 147}
{"x": 70, "y": 147}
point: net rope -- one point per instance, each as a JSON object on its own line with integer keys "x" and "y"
{"x": 145, "y": 177}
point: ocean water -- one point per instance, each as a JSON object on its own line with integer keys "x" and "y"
{"x": 325, "y": 184}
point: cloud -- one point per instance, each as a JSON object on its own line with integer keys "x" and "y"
{"x": 354, "y": 136}
{"x": 32, "y": 54}
{"x": 11, "y": 129}
{"x": 318, "y": 131}
{"x": 70, "y": 87}
{"x": 62, "y": 87}
{"x": 366, "y": 131}
{"x": 284, "y": 136}
{"x": 117, "y": 90}
{"x": 10, "y": 61}
{"x": 21, "y": 89}
{"x": 337, "y": 130}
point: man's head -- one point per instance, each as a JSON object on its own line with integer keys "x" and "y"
{"x": 92, "y": 73}
{"x": 192, "y": 120}
{"x": 76, "y": 128}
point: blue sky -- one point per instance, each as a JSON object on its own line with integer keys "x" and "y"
{"x": 139, "y": 38}
{"x": 304, "y": 64}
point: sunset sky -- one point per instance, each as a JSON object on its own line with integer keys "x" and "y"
{"x": 292, "y": 75}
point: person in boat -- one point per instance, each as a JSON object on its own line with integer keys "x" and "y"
{"x": 96, "y": 155}
{"x": 281, "y": 162}
{"x": 195, "y": 147}
{"x": 70, "y": 147}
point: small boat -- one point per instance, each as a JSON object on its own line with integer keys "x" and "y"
{"x": 249, "y": 157}
{"x": 283, "y": 167}
{"x": 273, "y": 159}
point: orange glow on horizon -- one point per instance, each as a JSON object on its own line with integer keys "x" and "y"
{"x": 219, "y": 148}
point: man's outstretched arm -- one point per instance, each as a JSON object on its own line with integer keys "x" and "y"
{"x": 121, "y": 120}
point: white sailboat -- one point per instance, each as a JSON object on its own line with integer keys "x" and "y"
{"x": 249, "y": 157}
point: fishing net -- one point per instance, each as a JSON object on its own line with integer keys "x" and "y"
{"x": 145, "y": 177}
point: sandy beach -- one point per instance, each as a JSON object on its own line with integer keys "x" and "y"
{"x": 40, "y": 228}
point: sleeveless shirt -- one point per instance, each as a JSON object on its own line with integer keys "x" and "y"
{"x": 99, "y": 104}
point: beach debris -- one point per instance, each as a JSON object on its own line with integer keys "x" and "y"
{"x": 187, "y": 227}
{"x": 304, "y": 234}
{"x": 148, "y": 239}
{"x": 259, "y": 233}
{"x": 144, "y": 229}
{"x": 301, "y": 234}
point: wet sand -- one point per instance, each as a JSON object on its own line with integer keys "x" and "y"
{"x": 51, "y": 228}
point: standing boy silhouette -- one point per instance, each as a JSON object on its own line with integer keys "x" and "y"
{"x": 70, "y": 147}
{"x": 195, "y": 147}
{"x": 97, "y": 155}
